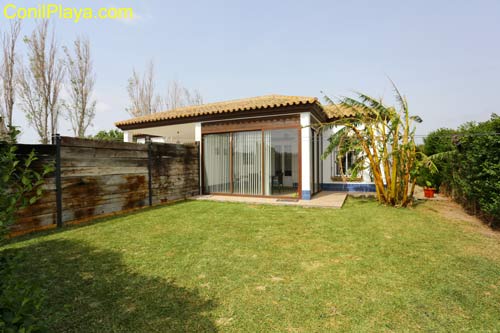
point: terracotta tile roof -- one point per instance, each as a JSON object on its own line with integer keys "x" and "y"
{"x": 337, "y": 111}
{"x": 246, "y": 104}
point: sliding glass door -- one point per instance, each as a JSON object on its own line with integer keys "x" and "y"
{"x": 247, "y": 163}
{"x": 263, "y": 162}
{"x": 216, "y": 169}
{"x": 316, "y": 165}
{"x": 281, "y": 167}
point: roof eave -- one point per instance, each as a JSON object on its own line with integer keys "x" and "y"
{"x": 261, "y": 111}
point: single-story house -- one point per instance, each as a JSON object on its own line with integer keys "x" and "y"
{"x": 260, "y": 146}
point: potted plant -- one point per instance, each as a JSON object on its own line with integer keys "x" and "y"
{"x": 429, "y": 190}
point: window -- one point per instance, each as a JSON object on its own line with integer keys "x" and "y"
{"x": 288, "y": 160}
{"x": 343, "y": 166}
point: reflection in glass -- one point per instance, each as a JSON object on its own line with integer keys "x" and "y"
{"x": 281, "y": 162}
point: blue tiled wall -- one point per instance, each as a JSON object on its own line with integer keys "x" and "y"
{"x": 306, "y": 195}
{"x": 348, "y": 187}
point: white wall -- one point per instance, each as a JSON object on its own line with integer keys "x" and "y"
{"x": 181, "y": 133}
{"x": 327, "y": 163}
{"x": 127, "y": 136}
{"x": 305, "y": 133}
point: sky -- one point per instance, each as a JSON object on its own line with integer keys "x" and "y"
{"x": 443, "y": 55}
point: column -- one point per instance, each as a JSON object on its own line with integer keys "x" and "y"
{"x": 305, "y": 123}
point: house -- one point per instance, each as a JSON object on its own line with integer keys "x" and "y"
{"x": 260, "y": 146}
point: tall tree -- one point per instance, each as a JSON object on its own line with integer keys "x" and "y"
{"x": 179, "y": 96}
{"x": 41, "y": 82}
{"x": 79, "y": 67}
{"x": 8, "y": 72}
{"x": 141, "y": 92}
{"x": 386, "y": 137}
{"x": 144, "y": 100}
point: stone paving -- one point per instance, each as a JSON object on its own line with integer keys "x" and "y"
{"x": 323, "y": 199}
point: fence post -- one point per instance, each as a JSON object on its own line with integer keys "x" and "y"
{"x": 56, "y": 139}
{"x": 200, "y": 175}
{"x": 150, "y": 170}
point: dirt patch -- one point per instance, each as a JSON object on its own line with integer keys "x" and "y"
{"x": 452, "y": 211}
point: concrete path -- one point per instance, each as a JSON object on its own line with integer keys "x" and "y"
{"x": 324, "y": 199}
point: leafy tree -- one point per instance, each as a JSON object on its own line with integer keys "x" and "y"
{"x": 439, "y": 141}
{"x": 20, "y": 184}
{"x": 439, "y": 146}
{"x": 111, "y": 135}
{"x": 385, "y": 135}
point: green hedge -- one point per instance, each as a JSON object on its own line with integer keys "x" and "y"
{"x": 471, "y": 171}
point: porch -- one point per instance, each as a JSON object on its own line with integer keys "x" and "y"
{"x": 324, "y": 199}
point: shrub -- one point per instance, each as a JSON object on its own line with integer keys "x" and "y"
{"x": 20, "y": 301}
{"x": 111, "y": 135}
{"x": 20, "y": 184}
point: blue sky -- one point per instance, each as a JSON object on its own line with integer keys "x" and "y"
{"x": 444, "y": 55}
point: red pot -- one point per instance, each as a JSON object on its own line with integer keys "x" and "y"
{"x": 429, "y": 192}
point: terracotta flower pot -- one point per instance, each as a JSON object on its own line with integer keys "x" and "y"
{"x": 429, "y": 192}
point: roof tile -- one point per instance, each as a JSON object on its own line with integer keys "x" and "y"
{"x": 246, "y": 104}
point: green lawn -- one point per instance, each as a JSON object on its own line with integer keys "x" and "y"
{"x": 203, "y": 266}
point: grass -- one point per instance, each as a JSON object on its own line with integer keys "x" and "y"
{"x": 204, "y": 266}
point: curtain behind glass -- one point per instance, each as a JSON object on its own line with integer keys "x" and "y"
{"x": 216, "y": 163}
{"x": 247, "y": 163}
{"x": 268, "y": 163}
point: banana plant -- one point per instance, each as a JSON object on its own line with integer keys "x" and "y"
{"x": 385, "y": 136}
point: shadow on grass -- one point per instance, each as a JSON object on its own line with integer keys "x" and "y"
{"x": 91, "y": 290}
{"x": 98, "y": 219}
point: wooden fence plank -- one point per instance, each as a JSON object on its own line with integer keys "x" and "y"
{"x": 99, "y": 178}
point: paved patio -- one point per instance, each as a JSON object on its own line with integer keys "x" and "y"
{"x": 323, "y": 199}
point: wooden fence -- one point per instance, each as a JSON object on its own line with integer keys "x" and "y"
{"x": 97, "y": 178}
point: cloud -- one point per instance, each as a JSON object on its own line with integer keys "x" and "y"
{"x": 135, "y": 19}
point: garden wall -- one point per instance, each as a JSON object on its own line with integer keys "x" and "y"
{"x": 98, "y": 178}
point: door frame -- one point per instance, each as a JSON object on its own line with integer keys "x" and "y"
{"x": 232, "y": 130}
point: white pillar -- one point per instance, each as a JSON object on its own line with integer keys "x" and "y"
{"x": 197, "y": 132}
{"x": 127, "y": 136}
{"x": 197, "y": 138}
{"x": 305, "y": 133}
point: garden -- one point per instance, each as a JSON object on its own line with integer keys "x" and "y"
{"x": 200, "y": 266}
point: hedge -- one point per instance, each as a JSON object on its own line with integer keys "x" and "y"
{"x": 470, "y": 171}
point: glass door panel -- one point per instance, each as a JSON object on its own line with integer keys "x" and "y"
{"x": 281, "y": 162}
{"x": 247, "y": 163}
{"x": 316, "y": 160}
{"x": 216, "y": 171}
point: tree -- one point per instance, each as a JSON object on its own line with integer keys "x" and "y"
{"x": 439, "y": 146}
{"x": 4, "y": 135}
{"x": 141, "y": 92}
{"x": 111, "y": 135}
{"x": 7, "y": 73}
{"x": 81, "y": 108}
{"x": 144, "y": 100}
{"x": 179, "y": 96}
{"x": 385, "y": 136}
{"x": 41, "y": 81}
